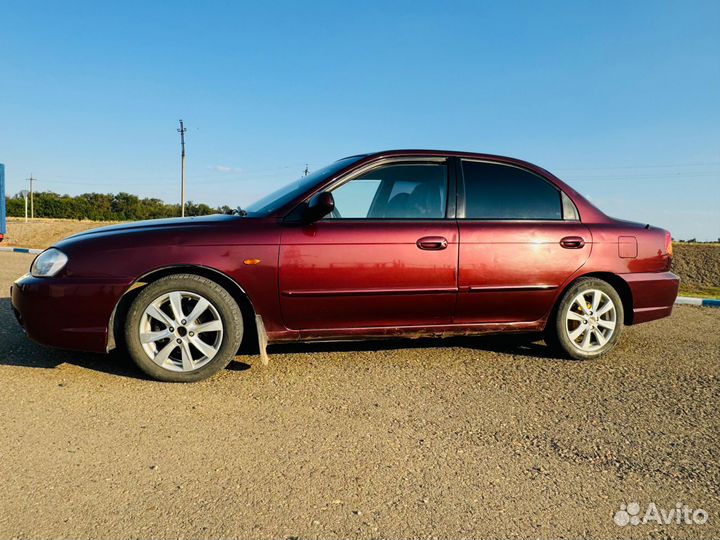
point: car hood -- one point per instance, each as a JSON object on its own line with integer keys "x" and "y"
{"x": 155, "y": 224}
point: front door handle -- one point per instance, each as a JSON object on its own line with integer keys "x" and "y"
{"x": 572, "y": 242}
{"x": 432, "y": 243}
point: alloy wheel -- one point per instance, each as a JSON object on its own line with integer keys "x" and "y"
{"x": 181, "y": 331}
{"x": 590, "y": 320}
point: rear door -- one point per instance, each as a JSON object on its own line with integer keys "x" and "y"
{"x": 520, "y": 239}
{"x": 386, "y": 257}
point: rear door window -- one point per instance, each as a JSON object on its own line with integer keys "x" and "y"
{"x": 503, "y": 192}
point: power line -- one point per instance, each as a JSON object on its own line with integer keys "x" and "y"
{"x": 674, "y": 176}
{"x": 153, "y": 177}
{"x": 582, "y": 175}
{"x": 710, "y": 164}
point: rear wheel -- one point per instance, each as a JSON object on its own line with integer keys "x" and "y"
{"x": 183, "y": 328}
{"x": 588, "y": 321}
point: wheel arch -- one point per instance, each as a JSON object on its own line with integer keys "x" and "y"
{"x": 119, "y": 313}
{"x": 617, "y": 282}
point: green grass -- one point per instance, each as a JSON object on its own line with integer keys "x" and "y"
{"x": 701, "y": 292}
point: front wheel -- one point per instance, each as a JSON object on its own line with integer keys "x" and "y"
{"x": 589, "y": 319}
{"x": 183, "y": 328}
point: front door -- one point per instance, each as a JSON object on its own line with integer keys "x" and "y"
{"x": 386, "y": 257}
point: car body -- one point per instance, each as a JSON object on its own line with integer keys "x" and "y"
{"x": 452, "y": 243}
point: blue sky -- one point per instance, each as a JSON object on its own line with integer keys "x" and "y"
{"x": 620, "y": 99}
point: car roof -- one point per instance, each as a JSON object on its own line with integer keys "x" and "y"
{"x": 452, "y": 153}
{"x": 448, "y": 153}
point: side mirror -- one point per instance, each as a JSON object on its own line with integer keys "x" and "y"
{"x": 319, "y": 207}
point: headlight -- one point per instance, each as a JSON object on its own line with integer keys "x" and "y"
{"x": 48, "y": 263}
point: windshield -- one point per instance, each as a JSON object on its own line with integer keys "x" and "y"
{"x": 279, "y": 198}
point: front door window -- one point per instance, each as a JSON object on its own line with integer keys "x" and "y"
{"x": 402, "y": 191}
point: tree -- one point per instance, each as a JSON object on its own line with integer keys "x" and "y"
{"x": 102, "y": 207}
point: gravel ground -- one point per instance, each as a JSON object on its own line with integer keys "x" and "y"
{"x": 474, "y": 437}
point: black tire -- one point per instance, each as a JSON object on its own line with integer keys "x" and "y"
{"x": 557, "y": 334}
{"x": 226, "y": 310}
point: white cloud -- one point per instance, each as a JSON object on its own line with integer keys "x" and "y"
{"x": 225, "y": 169}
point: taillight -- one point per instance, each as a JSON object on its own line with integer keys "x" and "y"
{"x": 668, "y": 243}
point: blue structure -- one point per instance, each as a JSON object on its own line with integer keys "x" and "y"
{"x": 3, "y": 229}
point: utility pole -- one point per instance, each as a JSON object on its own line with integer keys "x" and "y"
{"x": 32, "y": 205}
{"x": 182, "y": 131}
{"x": 25, "y": 194}
{"x": 307, "y": 171}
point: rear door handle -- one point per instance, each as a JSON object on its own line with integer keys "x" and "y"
{"x": 572, "y": 242}
{"x": 432, "y": 243}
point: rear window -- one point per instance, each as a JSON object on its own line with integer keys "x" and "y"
{"x": 495, "y": 191}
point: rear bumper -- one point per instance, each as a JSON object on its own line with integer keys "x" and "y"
{"x": 66, "y": 313}
{"x": 653, "y": 294}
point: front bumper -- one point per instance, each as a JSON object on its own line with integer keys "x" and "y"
{"x": 66, "y": 313}
{"x": 653, "y": 294}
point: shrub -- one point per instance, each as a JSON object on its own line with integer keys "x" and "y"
{"x": 103, "y": 207}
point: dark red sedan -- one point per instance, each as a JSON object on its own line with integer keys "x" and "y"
{"x": 398, "y": 243}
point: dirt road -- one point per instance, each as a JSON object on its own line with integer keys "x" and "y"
{"x": 464, "y": 438}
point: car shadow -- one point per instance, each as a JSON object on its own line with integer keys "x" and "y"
{"x": 16, "y": 349}
{"x": 530, "y": 345}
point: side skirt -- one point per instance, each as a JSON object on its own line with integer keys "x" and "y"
{"x": 411, "y": 332}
